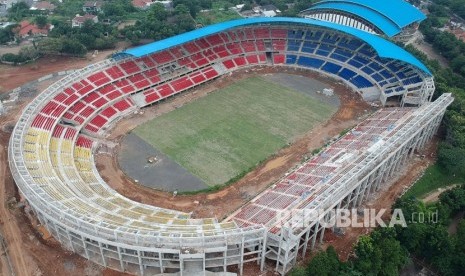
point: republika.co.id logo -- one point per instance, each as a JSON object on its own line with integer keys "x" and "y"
{"x": 357, "y": 218}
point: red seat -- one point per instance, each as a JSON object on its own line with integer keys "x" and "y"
{"x": 229, "y": 64}
{"x": 165, "y": 90}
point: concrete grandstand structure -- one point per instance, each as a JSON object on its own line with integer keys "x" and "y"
{"x": 51, "y": 148}
{"x": 397, "y": 19}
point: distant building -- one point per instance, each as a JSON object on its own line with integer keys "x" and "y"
{"x": 269, "y": 13}
{"x": 92, "y": 6}
{"x": 269, "y": 8}
{"x": 265, "y": 11}
{"x": 239, "y": 7}
{"x": 79, "y": 20}
{"x": 145, "y": 4}
{"x": 141, "y": 4}
{"x": 27, "y": 29}
{"x": 395, "y": 19}
{"x": 43, "y": 6}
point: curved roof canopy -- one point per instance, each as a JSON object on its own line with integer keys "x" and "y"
{"x": 390, "y": 16}
{"x": 384, "y": 48}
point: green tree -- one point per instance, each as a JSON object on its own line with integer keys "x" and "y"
{"x": 158, "y": 12}
{"x": 380, "y": 253}
{"x": 18, "y": 11}
{"x": 324, "y": 263}
{"x": 368, "y": 259}
{"x": 454, "y": 198}
{"x": 41, "y": 21}
{"x": 7, "y": 34}
{"x": 73, "y": 47}
{"x": 28, "y": 52}
{"x": 246, "y": 7}
{"x": 192, "y": 5}
{"x": 112, "y": 9}
{"x": 181, "y": 9}
{"x": 451, "y": 158}
{"x": 206, "y": 4}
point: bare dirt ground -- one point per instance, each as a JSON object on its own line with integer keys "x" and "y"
{"x": 434, "y": 196}
{"x": 32, "y": 254}
{"x": 15, "y": 76}
{"x": 430, "y": 53}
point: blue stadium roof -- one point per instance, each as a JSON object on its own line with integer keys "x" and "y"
{"x": 386, "y": 25}
{"x": 389, "y": 16}
{"x": 383, "y": 47}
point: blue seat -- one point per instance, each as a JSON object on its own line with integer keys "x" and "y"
{"x": 401, "y": 75}
{"x": 330, "y": 39}
{"x": 367, "y": 70}
{"x": 361, "y": 82}
{"x": 309, "y": 47}
{"x": 343, "y": 53}
{"x": 311, "y": 35}
{"x": 361, "y": 59}
{"x": 293, "y": 45}
{"x": 339, "y": 57}
{"x": 295, "y": 34}
{"x": 325, "y": 47}
{"x": 291, "y": 59}
{"x": 310, "y": 62}
{"x": 322, "y": 53}
{"x": 377, "y": 77}
{"x": 375, "y": 66}
{"x": 367, "y": 51}
{"x": 394, "y": 67}
{"x": 331, "y": 68}
{"x": 412, "y": 80}
{"x": 355, "y": 64}
{"x": 386, "y": 74}
{"x": 347, "y": 74}
{"x": 352, "y": 45}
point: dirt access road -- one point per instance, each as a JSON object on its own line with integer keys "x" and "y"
{"x": 10, "y": 229}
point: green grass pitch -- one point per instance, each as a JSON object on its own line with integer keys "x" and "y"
{"x": 232, "y": 130}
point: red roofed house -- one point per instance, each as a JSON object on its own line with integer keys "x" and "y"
{"x": 144, "y": 4}
{"x": 141, "y": 4}
{"x": 42, "y": 6}
{"x": 27, "y": 29}
{"x": 79, "y": 20}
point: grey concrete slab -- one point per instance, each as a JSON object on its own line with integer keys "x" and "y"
{"x": 304, "y": 85}
{"x": 165, "y": 174}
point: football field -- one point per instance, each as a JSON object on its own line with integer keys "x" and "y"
{"x": 229, "y": 132}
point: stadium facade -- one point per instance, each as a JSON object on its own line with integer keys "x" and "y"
{"x": 51, "y": 148}
{"x": 394, "y": 19}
